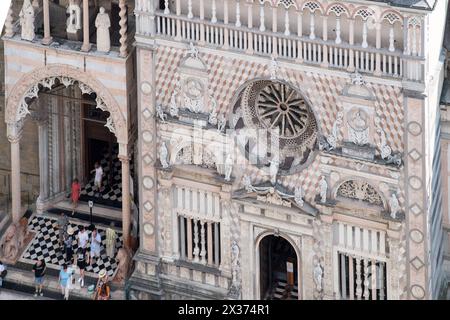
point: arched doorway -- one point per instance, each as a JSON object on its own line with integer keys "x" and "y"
{"x": 91, "y": 95}
{"x": 278, "y": 269}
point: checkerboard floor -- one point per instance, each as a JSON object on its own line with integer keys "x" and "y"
{"x": 45, "y": 245}
{"x": 111, "y": 193}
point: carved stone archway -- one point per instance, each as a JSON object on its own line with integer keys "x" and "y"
{"x": 28, "y": 87}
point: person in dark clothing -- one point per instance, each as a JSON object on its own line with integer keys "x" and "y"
{"x": 3, "y": 273}
{"x": 39, "y": 269}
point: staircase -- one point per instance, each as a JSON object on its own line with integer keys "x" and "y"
{"x": 280, "y": 291}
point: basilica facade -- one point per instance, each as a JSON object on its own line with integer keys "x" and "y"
{"x": 266, "y": 149}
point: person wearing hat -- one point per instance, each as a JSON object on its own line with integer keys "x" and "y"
{"x": 102, "y": 291}
{"x": 68, "y": 245}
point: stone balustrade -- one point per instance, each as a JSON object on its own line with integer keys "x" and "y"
{"x": 369, "y": 40}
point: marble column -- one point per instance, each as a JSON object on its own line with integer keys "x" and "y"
{"x": 126, "y": 201}
{"x": 86, "y": 44}
{"x": 47, "y": 37}
{"x": 43, "y": 166}
{"x": 14, "y": 136}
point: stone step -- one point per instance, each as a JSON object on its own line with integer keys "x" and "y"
{"x": 102, "y": 216}
{"x": 23, "y": 281}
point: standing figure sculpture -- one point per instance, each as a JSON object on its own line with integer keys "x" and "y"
{"x": 74, "y": 19}
{"x": 273, "y": 169}
{"x": 323, "y": 188}
{"x": 27, "y": 21}
{"x": 103, "y": 23}
{"x": 318, "y": 276}
{"x": 163, "y": 155}
{"x": 228, "y": 167}
{"x": 395, "y": 206}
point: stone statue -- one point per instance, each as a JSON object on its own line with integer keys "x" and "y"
{"x": 357, "y": 79}
{"x": 274, "y": 69}
{"x": 323, "y": 188}
{"x": 298, "y": 196}
{"x": 163, "y": 155}
{"x": 27, "y": 18}
{"x": 74, "y": 20}
{"x": 228, "y": 167}
{"x": 332, "y": 140}
{"x": 358, "y": 129}
{"x": 160, "y": 113}
{"x": 221, "y": 123}
{"x": 273, "y": 169}
{"x": 10, "y": 243}
{"x": 247, "y": 183}
{"x": 213, "y": 115}
{"x": 103, "y": 23}
{"x": 173, "y": 101}
{"x": 395, "y": 206}
{"x": 123, "y": 257}
{"x": 385, "y": 150}
{"x": 22, "y": 231}
{"x": 235, "y": 261}
{"x": 318, "y": 276}
{"x": 192, "y": 52}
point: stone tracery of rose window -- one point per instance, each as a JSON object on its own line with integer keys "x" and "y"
{"x": 278, "y": 107}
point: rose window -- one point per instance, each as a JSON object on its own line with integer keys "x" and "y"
{"x": 280, "y": 110}
{"x": 280, "y": 106}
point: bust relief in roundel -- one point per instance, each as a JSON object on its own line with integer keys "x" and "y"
{"x": 281, "y": 110}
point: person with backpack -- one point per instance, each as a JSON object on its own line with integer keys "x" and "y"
{"x": 39, "y": 269}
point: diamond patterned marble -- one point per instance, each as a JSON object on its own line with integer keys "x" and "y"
{"x": 417, "y": 263}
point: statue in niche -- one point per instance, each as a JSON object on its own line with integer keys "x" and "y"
{"x": 228, "y": 167}
{"x": 323, "y": 188}
{"x": 395, "y": 206}
{"x": 318, "y": 275}
{"x": 27, "y": 18}
{"x": 103, "y": 23}
{"x": 235, "y": 262}
{"x": 74, "y": 19}
{"x": 274, "y": 69}
{"x": 163, "y": 155}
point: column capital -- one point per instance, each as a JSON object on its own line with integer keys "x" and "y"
{"x": 14, "y": 132}
{"x": 123, "y": 158}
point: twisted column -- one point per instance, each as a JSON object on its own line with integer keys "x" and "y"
{"x": 123, "y": 29}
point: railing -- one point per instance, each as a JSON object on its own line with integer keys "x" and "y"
{"x": 301, "y": 49}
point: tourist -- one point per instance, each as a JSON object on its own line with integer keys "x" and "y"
{"x": 39, "y": 269}
{"x": 65, "y": 278}
{"x": 96, "y": 241}
{"x": 68, "y": 245}
{"x": 102, "y": 289}
{"x": 75, "y": 194}
{"x": 98, "y": 177}
{"x": 83, "y": 238}
{"x": 3, "y": 273}
{"x": 110, "y": 240}
{"x": 81, "y": 263}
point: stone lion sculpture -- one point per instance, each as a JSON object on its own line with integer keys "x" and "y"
{"x": 123, "y": 266}
{"x": 22, "y": 231}
{"x": 10, "y": 243}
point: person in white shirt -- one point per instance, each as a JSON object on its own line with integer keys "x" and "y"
{"x": 96, "y": 241}
{"x": 98, "y": 177}
{"x": 83, "y": 238}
